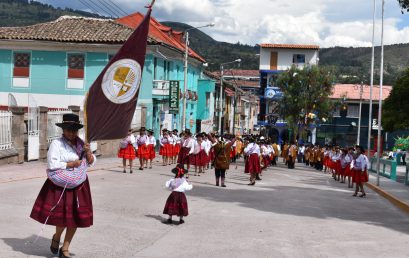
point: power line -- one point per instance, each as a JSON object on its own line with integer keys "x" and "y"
{"x": 113, "y": 10}
{"x": 100, "y": 8}
{"x": 117, "y": 7}
{"x": 95, "y": 12}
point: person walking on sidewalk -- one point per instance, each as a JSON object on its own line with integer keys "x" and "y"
{"x": 127, "y": 150}
{"x": 151, "y": 143}
{"x": 221, "y": 160}
{"x": 252, "y": 166}
{"x": 65, "y": 199}
{"x": 176, "y": 204}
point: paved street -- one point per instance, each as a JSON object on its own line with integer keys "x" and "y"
{"x": 297, "y": 213}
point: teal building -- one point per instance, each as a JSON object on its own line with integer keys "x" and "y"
{"x": 53, "y": 64}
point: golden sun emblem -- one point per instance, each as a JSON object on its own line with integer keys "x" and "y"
{"x": 124, "y": 78}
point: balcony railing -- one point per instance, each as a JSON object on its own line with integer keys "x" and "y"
{"x": 160, "y": 88}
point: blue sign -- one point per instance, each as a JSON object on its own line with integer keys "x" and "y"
{"x": 273, "y": 93}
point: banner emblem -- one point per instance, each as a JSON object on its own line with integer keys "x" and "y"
{"x": 122, "y": 80}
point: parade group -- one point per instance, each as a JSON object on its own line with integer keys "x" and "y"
{"x": 203, "y": 151}
{"x": 65, "y": 199}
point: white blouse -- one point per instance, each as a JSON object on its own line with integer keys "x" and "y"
{"x": 183, "y": 185}
{"x": 60, "y": 153}
{"x": 252, "y": 148}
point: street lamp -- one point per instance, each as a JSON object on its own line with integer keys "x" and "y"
{"x": 221, "y": 92}
{"x": 186, "y": 32}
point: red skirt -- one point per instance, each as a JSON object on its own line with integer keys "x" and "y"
{"x": 338, "y": 168}
{"x": 127, "y": 153}
{"x": 347, "y": 170}
{"x": 151, "y": 151}
{"x": 74, "y": 210}
{"x": 358, "y": 177}
{"x": 253, "y": 164}
{"x": 266, "y": 161}
{"x": 199, "y": 159}
{"x": 326, "y": 161}
{"x": 176, "y": 149}
{"x": 166, "y": 150}
{"x": 176, "y": 204}
{"x": 142, "y": 151}
{"x": 183, "y": 158}
{"x": 232, "y": 152}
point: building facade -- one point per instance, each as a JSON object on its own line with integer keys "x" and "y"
{"x": 55, "y": 63}
{"x": 275, "y": 59}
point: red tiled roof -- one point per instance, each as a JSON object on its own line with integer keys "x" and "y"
{"x": 351, "y": 92}
{"x": 240, "y": 73}
{"x": 160, "y": 33}
{"x": 71, "y": 29}
{"x": 292, "y": 46}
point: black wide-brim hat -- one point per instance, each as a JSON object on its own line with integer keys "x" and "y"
{"x": 150, "y": 131}
{"x": 70, "y": 121}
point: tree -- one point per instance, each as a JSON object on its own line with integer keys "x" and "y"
{"x": 306, "y": 95}
{"x": 404, "y": 4}
{"x": 395, "y": 113}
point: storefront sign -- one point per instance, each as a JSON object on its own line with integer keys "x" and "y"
{"x": 174, "y": 97}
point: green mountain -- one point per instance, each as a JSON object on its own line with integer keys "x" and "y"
{"x": 24, "y": 12}
{"x": 351, "y": 65}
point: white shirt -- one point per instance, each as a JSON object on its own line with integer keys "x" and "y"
{"x": 164, "y": 140}
{"x": 264, "y": 150}
{"x": 60, "y": 153}
{"x": 177, "y": 139}
{"x": 360, "y": 162}
{"x": 181, "y": 183}
{"x": 252, "y": 148}
{"x": 270, "y": 149}
{"x": 151, "y": 140}
{"x": 141, "y": 139}
{"x": 189, "y": 143}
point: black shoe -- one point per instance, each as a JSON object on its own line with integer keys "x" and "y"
{"x": 181, "y": 221}
{"x": 223, "y": 185}
{"x": 54, "y": 250}
{"x": 131, "y": 171}
{"x": 61, "y": 253}
{"x": 252, "y": 183}
{"x": 124, "y": 171}
{"x": 168, "y": 221}
{"x": 258, "y": 178}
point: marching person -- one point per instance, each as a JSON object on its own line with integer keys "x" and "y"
{"x": 221, "y": 161}
{"x": 292, "y": 155}
{"x": 346, "y": 160}
{"x": 360, "y": 171}
{"x": 187, "y": 150}
{"x": 197, "y": 155}
{"x": 176, "y": 204}
{"x": 253, "y": 162}
{"x": 142, "y": 151}
{"x": 176, "y": 145}
{"x": 67, "y": 187}
{"x": 166, "y": 148}
{"x": 151, "y": 143}
{"x": 127, "y": 150}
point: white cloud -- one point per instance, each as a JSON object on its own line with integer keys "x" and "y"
{"x": 324, "y": 22}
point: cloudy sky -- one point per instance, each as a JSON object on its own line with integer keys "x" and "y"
{"x": 323, "y": 22}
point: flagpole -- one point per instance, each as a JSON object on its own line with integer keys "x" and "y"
{"x": 371, "y": 86}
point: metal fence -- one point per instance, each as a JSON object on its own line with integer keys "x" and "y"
{"x": 5, "y": 130}
{"x": 55, "y": 116}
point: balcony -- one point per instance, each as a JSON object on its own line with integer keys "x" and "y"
{"x": 160, "y": 88}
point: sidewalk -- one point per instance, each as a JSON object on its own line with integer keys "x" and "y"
{"x": 397, "y": 193}
{"x": 37, "y": 169}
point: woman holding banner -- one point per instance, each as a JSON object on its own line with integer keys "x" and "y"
{"x": 67, "y": 161}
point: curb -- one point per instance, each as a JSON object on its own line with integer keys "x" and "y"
{"x": 404, "y": 206}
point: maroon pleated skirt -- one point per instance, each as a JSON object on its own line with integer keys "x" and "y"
{"x": 253, "y": 164}
{"x": 183, "y": 158}
{"x": 73, "y": 211}
{"x": 176, "y": 204}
